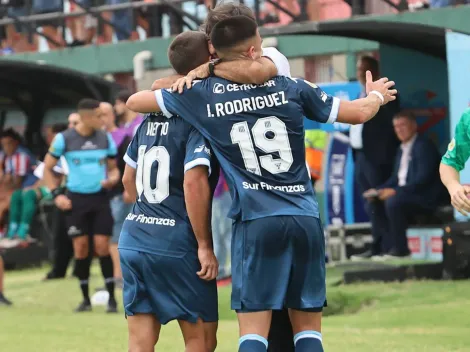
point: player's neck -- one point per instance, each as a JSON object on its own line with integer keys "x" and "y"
{"x": 233, "y": 56}
{"x": 84, "y": 130}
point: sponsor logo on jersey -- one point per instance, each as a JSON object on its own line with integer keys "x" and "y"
{"x": 150, "y": 220}
{"x": 451, "y": 145}
{"x": 202, "y": 148}
{"x": 219, "y": 88}
{"x": 266, "y": 187}
{"x": 88, "y": 145}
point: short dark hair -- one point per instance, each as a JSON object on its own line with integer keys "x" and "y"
{"x": 405, "y": 115}
{"x": 123, "y": 96}
{"x": 372, "y": 62}
{"x": 232, "y": 31}
{"x": 188, "y": 51}
{"x": 58, "y": 127}
{"x": 88, "y": 104}
{"x": 11, "y": 133}
{"x": 224, "y": 11}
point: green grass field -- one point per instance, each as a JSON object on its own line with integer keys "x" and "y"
{"x": 413, "y": 316}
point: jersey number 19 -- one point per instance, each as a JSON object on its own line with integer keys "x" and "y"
{"x": 145, "y": 162}
{"x": 269, "y": 135}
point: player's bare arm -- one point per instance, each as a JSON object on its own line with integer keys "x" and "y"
{"x": 239, "y": 71}
{"x": 453, "y": 161}
{"x": 143, "y": 102}
{"x": 61, "y": 200}
{"x": 198, "y": 198}
{"x": 165, "y": 82}
{"x": 128, "y": 180}
{"x": 113, "y": 175}
{"x": 459, "y": 193}
{"x": 362, "y": 110}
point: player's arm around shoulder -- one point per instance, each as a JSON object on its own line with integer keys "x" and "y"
{"x": 143, "y": 102}
{"x": 244, "y": 71}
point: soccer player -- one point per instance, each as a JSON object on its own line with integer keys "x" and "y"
{"x": 257, "y": 135}
{"x": 167, "y": 260}
{"x": 90, "y": 155}
{"x": 454, "y": 161}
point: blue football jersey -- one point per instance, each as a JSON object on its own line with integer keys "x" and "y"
{"x": 257, "y": 135}
{"x": 161, "y": 151}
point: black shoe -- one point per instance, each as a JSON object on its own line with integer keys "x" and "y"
{"x": 4, "y": 301}
{"x": 363, "y": 256}
{"x": 112, "y": 306}
{"x": 85, "y": 306}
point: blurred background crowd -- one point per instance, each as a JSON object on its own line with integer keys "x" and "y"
{"x": 118, "y": 22}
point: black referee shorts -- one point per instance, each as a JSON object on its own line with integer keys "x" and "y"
{"x": 90, "y": 215}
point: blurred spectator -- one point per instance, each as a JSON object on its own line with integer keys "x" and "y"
{"x": 374, "y": 143}
{"x": 3, "y": 299}
{"x": 73, "y": 119}
{"x": 17, "y": 34}
{"x": 84, "y": 28}
{"x": 63, "y": 249}
{"x": 275, "y": 17}
{"x": 127, "y": 119}
{"x": 18, "y": 163}
{"x": 413, "y": 188}
{"x": 24, "y": 202}
{"x": 222, "y": 226}
{"x": 121, "y": 204}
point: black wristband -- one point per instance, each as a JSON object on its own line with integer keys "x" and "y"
{"x": 57, "y": 192}
{"x": 212, "y": 64}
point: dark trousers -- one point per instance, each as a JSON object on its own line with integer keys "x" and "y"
{"x": 367, "y": 176}
{"x": 392, "y": 217}
{"x": 63, "y": 248}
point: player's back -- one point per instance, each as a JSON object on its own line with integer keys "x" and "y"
{"x": 161, "y": 151}
{"x": 257, "y": 134}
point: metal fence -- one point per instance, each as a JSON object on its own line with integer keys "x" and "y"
{"x": 31, "y": 21}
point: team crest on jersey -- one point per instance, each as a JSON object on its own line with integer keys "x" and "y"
{"x": 451, "y": 145}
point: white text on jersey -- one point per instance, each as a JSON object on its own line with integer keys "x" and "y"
{"x": 266, "y": 187}
{"x": 150, "y": 220}
{"x": 152, "y": 128}
{"x": 247, "y": 104}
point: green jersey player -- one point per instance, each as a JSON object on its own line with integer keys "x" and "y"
{"x": 454, "y": 161}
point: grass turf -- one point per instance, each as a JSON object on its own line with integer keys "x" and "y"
{"x": 412, "y": 316}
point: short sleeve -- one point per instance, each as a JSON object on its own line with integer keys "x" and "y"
{"x": 57, "y": 148}
{"x": 458, "y": 150}
{"x": 198, "y": 151}
{"x": 112, "y": 149}
{"x": 189, "y": 105}
{"x": 132, "y": 153}
{"x": 281, "y": 62}
{"x": 317, "y": 105}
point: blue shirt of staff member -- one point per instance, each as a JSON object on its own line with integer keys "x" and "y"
{"x": 90, "y": 153}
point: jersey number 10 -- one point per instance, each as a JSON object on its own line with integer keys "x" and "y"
{"x": 144, "y": 171}
{"x": 269, "y": 135}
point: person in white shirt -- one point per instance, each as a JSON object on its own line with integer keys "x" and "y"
{"x": 413, "y": 188}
